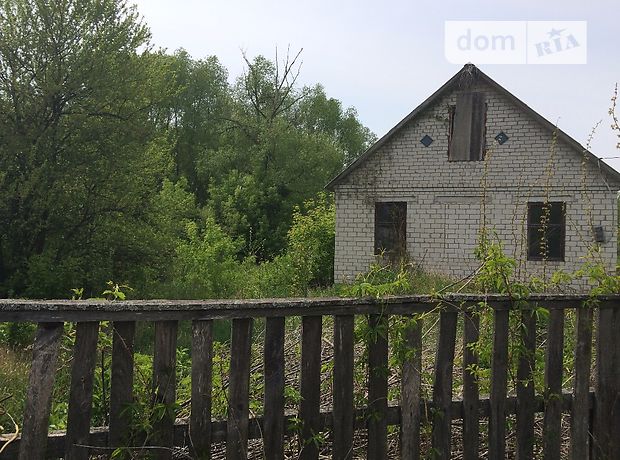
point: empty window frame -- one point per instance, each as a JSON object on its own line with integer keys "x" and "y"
{"x": 546, "y": 230}
{"x": 391, "y": 229}
{"x": 467, "y": 134}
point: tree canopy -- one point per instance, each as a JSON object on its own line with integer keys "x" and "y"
{"x": 116, "y": 157}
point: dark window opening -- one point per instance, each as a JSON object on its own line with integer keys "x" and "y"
{"x": 391, "y": 230}
{"x": 467, "y": 127}
{"x": 546, "y": 230}
{"x": 599, "y": 234}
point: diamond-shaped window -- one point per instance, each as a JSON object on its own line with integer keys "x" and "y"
{"x": 426, "y": 140}
{"x": 501, "y": 138}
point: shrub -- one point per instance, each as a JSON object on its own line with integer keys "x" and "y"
{"x": 310, "y": 243}
{"x": 204, "y": 265}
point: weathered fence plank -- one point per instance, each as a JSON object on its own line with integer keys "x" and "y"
{"x": 607, "y": 421}
{"x": 98, "y": 436}
{"x": 178, "y": 310}
{"x": 239, "y": 390}
{"x": 411, "y": 384}
{"x": 344, "y": 418}
{"x": 202, "y": 386}
{"x": 580, "y": 413}
{"x": 273, "y": 428}
{"x": 81, "y": 391}
{"x": 164, "y": 386}
{"x": 121, "y": 384}
{"x": 552, "y": 423}
{"x": 526, "y": 400}
{"x": 343, "y": 412}
{"x": 499, "y": 386}
{"x": 39, "y": 395}
{"x": 442, "y": 386}
{"x": 310, "y": 386}
{"x": 471, "y": 416}
{"x": 377, "y": 387}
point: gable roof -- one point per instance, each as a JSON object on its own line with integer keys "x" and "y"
{"x": 464, "y": 77}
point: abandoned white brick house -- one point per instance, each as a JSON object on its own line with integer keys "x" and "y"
{"x": 472, "y": 156}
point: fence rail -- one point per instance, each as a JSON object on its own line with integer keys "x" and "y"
{"x": 594, "y": 412}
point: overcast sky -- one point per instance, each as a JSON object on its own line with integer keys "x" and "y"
{"x": 385, "y": 57}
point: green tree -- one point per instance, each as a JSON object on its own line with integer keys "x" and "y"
{"x": 283, "y": 144}
{"x": 318, "y": 113}
{"x": 79, "y": 149}
{"x": 195, "y": 116}
{"x": 205, "y": 265}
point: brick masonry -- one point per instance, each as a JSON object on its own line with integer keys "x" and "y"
{"x": 448, "y": 202}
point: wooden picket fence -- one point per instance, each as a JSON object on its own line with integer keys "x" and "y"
{"x": 594, "y": 409}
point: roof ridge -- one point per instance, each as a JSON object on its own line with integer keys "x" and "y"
{"x": 463, "y": 78}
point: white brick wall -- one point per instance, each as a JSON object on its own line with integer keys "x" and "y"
{"x": 445, "y": 199}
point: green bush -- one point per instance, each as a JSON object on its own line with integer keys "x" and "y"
{"x": 274, "y": 278}
{"x": 204, "y": 265}
{"x": 310, "y": 243}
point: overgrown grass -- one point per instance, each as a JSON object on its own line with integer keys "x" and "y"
{"x": 14, "y": 370}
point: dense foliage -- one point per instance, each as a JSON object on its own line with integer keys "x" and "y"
{"x": 118, "y": 161}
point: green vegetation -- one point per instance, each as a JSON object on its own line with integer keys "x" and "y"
{"x": 120, "y": 161}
